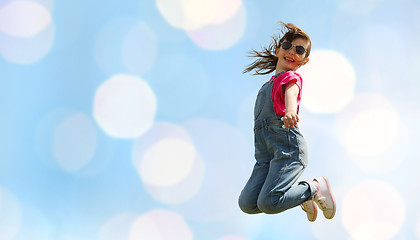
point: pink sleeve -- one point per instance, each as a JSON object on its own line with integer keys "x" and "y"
{"x": 278, "y": 90}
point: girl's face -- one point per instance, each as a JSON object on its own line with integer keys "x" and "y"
{"x": 290, "y": 59}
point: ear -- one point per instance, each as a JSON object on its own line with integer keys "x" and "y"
{"x": 306, "y": 60}
{"x": 277, "y": 51}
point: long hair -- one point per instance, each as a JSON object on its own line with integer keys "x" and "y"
{"x": 266, "y": 61}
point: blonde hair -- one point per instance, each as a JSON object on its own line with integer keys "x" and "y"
{"x": 267, "y": 59}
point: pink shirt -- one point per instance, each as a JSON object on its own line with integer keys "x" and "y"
{"x": 279, "y": 86}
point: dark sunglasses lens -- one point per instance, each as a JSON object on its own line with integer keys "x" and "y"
{"x": 286, "y": 45}
{"x": 300, "y": 50}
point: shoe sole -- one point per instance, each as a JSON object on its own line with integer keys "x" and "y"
{"x": 332, "y": 198}
{"x": 315, "y": 212}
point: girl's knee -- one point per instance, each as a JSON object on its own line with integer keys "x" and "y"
{"x": 265, "y": 205}
{"x": 248, "y": 207}
{"x": 268, "y": 206}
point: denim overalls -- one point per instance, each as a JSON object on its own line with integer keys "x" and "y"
{"x": 281, "y": 157}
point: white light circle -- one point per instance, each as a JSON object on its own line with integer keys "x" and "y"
{"x": 160, "y": 225}
{"x": 373, "y": 134}
{"x": 171, "y": 188}
{"x": 75, "y": 142}
{"x": 373, "y": 123}
{"x": 118, "y": 227}
{"x": 124, "y": 106}
{"x": 23, "y": 19}
{"x": 328, "y": 82}
{"x": 10, "y": 215}
{"x": 167, "y": 162}
{"x": 367, "y": 214}
{"x": 221, "y": 36}
{"x": 195, "y": 14}
{"x": 222, "y": 148}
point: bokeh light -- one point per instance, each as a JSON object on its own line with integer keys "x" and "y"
{"x": 124, "y": 106}
{"x": 329, "y": 82}
{"x": 126, "y": 45}
{"x": 26, "y": 31}
{"x": 225, "y": 153}
{"x": 160, "y": 225}
{"x": 10, "y": 214}
{"x": 373, "y": 133}
{"x": 168, "y": 163}
{"x": 23, "y": 19}
{"x": 192, "y": 15}
{"x": 139, "y": 49}
{"x": 75, "y": 142}
{"x": 220, "y": 36}
{"x": 212, "y": 25}
{"x": 118, "y": 227}
{"x": 366, "y": 217}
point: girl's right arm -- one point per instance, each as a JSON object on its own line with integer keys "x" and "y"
{"x": 291, "y": 93}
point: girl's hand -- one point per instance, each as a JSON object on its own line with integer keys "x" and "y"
{"x": 290, "y": 119}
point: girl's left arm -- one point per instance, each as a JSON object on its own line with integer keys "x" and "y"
{"x": 291, "y": 93}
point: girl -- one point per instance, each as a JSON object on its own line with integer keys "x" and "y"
{"x": 280, "y": 149}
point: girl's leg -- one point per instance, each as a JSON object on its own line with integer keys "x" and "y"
{"x": 249, "y": 195}
{"x": 279, "y": 191}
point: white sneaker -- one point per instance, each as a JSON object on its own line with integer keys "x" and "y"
{"x": 324, "y": 198}
{"x": 311, "y": 210}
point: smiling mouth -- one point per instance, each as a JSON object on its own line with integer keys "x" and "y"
{"x": 289, "y": 59}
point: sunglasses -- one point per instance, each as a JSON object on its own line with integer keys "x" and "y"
{"x": 288, "y": 45}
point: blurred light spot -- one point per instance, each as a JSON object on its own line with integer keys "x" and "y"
{"x": 23, "y": 19}
{"x": 10, "y": 215}
{"x": 126, "y": 45}
{"x": 373, "y": 134}
{"x": 225, "y": 152}
{"x": 373, "y": 210}
{"x": 26, "y": 39}
{"x": 124, "y": 106}
{"x": 50, "y": 137}
{"x": 182, "y": 89}
{"x": 372, "y": 122}
{"x": 222, "y": 35}
{"x": 75, "y": 142}
{"x": 117, "y": 227}
{"x": 34, "y": 225}
{"x": 160, "y": 225}
{"x": 328, "y": 75}
{"x": 183, "y": 179}
{"x": 27, "y": 50}
{"x": 139, "y": 49}
{"x": 108, "y": 45}
{"x": 167, "y": 162}
{"x": 195, "y": 14}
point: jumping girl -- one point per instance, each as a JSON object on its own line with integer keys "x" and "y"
{"x": 280, "y": 149}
